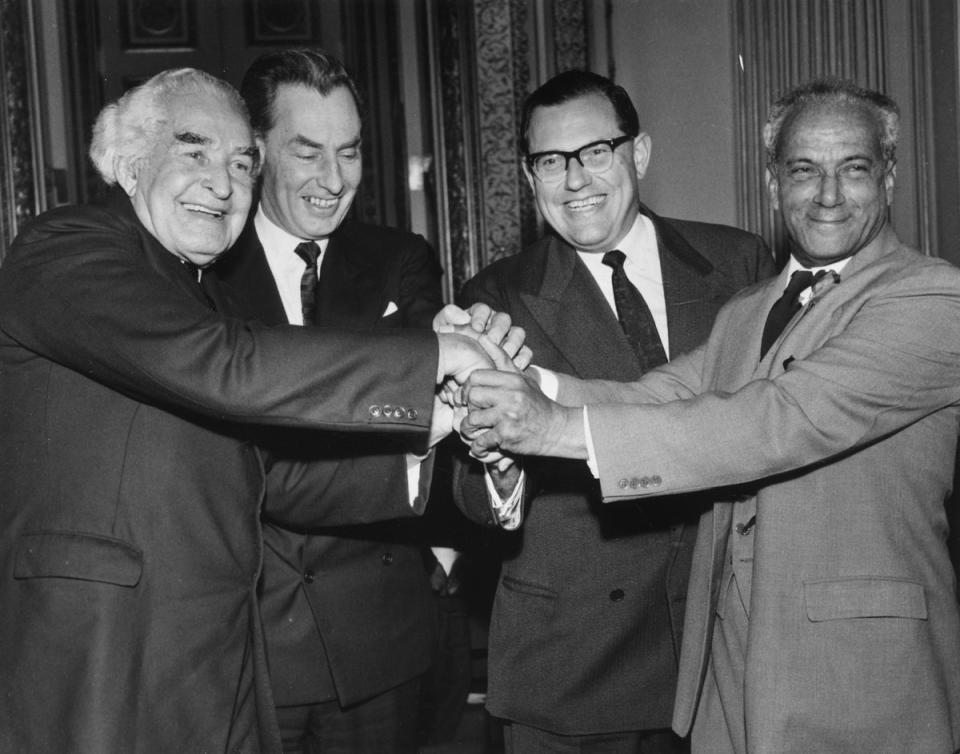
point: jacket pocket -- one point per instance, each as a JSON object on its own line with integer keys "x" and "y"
{"x": 72, "y": 555}
{"x": 527, "y": 588}
{"x": 864, "y": 597}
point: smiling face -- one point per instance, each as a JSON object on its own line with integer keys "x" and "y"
{"x": 312, "y": 162}
{"x": 831, "y": 184}
{"x": 590, "y": 211}
{"x": 193, "y": 190}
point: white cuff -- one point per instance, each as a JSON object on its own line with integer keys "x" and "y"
{"x": 588, "y": 439}
{"x": 414, "y": 462}
{"x": 509, "y": 512}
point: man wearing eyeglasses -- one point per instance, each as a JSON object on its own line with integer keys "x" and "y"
{"x": 585, "y": 630}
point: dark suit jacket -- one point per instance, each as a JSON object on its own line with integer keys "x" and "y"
{"x": 844, "y": 436}
{"x": 586, "y": 625}
{"x": 129, "y": 526}
{"x": 347, "y": 612}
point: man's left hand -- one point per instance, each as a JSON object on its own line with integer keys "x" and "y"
{"x": 509, "y": 413}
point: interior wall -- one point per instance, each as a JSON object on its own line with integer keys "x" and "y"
{"x": 676, "y": 59}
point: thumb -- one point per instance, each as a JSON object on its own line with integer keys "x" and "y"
{"x": 499, "y": 357}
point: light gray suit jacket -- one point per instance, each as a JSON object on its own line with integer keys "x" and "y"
{"x": 846, "y": 433}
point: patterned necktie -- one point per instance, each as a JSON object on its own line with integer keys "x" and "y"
{"x": 634, "y": 315}
{"x": 308, "y": 251}
{"x": 785, "y": 307}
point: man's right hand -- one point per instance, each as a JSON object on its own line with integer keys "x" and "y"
{"x": 459, "y": 356}
{"x": 480, "y": 319}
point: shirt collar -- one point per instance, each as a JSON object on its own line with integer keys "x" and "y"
{"x": 639, "y": 246}
{"x": 793, "y": 265}
{"x": 277, "y": 243}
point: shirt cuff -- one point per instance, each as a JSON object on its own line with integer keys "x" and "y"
{"x": 549, "y": 384}
{"x": 509, "y": 512}
{"x": 588, "y": 439}
{"x": 414, "y": 462}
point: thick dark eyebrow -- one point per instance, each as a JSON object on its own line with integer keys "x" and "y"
{"x": 188, "y": 137}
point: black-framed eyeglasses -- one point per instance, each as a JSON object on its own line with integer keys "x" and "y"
{"x": 595, "y": 157}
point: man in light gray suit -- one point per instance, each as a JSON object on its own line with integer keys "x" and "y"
{"x": 822, "y": 613}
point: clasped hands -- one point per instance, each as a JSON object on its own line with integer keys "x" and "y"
{"x": 485, "y": 394}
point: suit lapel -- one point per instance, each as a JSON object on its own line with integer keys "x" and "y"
{"x": 350, "y": 291}
{"x": 250, "y": 274}
{"x": 687, "y": 289}
{"x": 576, "y": 318}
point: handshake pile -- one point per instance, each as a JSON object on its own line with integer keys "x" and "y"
{"x": 487, "y": 394}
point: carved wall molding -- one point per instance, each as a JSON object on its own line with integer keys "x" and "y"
{"x": 20, "y": 172}
{"x": 489, "y": 55}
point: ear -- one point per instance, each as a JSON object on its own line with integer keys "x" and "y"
{"x": 530, "y": 176}
{"x": 642, "y": 146}
{"x": 127, "y": 171}
{"x": 889, "y": 181}
{"x": 773, "y": 187}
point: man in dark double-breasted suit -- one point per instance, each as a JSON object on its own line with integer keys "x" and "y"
{"x": 348, "y": 612}
{"x": 586, "y": 625}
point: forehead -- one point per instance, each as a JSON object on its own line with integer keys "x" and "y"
{"x": 572, "y": 124}
{"x": 843, "y": 129}
{"x": 209, "y": 115}
{"x": 306, "y": 111}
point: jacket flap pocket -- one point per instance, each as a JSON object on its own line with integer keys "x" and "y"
{"x": 70, "y": 555}
{"x": 864, "y": 597}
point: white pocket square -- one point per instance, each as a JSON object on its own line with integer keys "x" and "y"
{"x": 391, "y": 308}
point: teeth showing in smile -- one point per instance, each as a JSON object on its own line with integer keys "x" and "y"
{"x": 316, "y": 201}
{"x": 584, "y": 204}
{"x": 204, "y": 210}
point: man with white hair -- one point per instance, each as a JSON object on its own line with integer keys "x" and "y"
{"x": 128, "y": 493}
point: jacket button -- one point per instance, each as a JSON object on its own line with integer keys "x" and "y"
{"x": 634, "y": 483}
{"x": 386, "y": 558}
{"x": 645, "y": 482}
{"x": 655, "y": 480}
{"x": 387, "y": 410}
{"x": 308, "y": 577}
{"x": 412, "y": 414}
{"x": 375, "y": 411}
{"x": 623, "y": 484}
{"x": 399, "y": 413}
{"x": 616, "y": 595}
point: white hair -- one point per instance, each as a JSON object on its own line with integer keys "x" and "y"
{"x": 130, "y": 126}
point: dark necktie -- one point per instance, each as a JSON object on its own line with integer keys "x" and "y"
{"x": 308, "y": 251}
{"x": 634, "y": 315}
{"x": 785, "y": 307}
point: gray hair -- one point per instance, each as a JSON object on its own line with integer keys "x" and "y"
{"x": 131, "y": 126}
{"x": 832, "y": 90}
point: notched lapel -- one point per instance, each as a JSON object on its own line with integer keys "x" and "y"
{"x": 577, "y": 320}
{"x": 351, "y": 292}
{"x": 803, "y": 330}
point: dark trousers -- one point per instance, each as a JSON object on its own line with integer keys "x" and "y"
{"x": 522, "y": 739}
{"x": 385, "y": 723}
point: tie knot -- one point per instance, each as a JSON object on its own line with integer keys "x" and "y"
{"x": 614, "y": 258}
{"x": 799, "y": 282}
{"x": 308, "y": 251}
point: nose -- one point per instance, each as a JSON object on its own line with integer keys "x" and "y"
{"x": 829, "y": 193}
{"x": 218, "y": 181}
{"x": 330, "y": 177}
{"x": 577, "y": 176}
